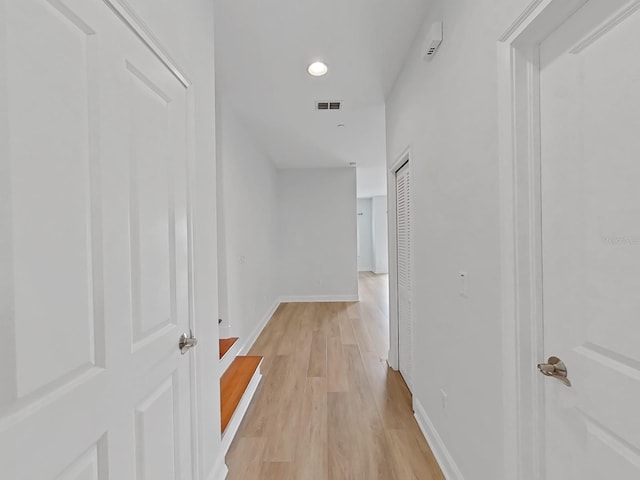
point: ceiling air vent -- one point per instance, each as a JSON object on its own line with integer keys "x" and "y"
{"x": 332, "y": 105}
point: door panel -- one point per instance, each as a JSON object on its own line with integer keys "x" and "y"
{"x": 53, "y": 366}
{"x": 591, "y": 241}
{"x": 152, "y": 116}
{"x": 86, "y": 467}
{"x": 156, "y": 423}
{"x": 49, "y": 107}
{"x": 403, "y": 218}
{"x": 151, "y": 230}
{"x": 93, "y": 249}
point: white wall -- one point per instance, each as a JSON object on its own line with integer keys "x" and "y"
{"x": 317, "y": 234}
{"x": 380, "y": 234}
{"x": 372, "y": 181}
{"x": 248, "y": 230}
{"x": 185, "y": 29}
{"x": 365, "y": 235}
{"x": 446, "y": 110}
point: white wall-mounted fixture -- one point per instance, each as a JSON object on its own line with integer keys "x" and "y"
{"x": 434, "y": 39}
{"x": 317, "y": 69}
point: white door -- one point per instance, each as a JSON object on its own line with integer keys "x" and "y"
{"x": 403, "y": 229}
{"x": 94, "y": 290}
{"x": 365, "y": 237}
{"x": 590, "y": 118}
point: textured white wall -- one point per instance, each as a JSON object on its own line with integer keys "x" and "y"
{"x": 317, "y": 233}
{"x": 446, "y": 110}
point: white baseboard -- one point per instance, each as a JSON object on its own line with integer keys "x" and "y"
{"x": 448, "y": 466}
{"x": 238, "y": 415}
{"x": 220, "y": 471}
{"x": 250, "y": 340}
{"x": 318, "y": 298}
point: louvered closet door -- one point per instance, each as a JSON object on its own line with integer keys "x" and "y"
{"x": 403, "y": 219}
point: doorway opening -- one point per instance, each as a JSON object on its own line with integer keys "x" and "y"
{"x": 373, "y": 246}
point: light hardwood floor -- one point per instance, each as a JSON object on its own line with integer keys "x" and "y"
{"x": 328, "y": 407}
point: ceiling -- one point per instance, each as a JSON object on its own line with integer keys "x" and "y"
{"x": 262, "y": 51}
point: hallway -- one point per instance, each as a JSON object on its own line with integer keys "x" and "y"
{"x": 328, "y": 406}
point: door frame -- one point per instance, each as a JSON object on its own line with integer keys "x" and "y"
{"x": 521, "y": 235}
{"x": 394, "y": 337}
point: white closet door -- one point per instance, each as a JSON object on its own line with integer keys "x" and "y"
{"x": 93, "y": 249}
{"x": 403, "y": 219}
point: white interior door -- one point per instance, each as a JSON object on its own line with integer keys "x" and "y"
{"x": 94, "y": 289}
{"x": 365, "y": 237}
{"x": 590, "y": 137}
{"x": 403, "y": 229}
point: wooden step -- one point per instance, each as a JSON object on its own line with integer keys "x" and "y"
{"x": 233, "y": 384}
{"x": 226, "y": 344}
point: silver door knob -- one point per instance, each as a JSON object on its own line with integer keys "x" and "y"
{"x": 187, "y": 342}
{"x": 555, "y": 368}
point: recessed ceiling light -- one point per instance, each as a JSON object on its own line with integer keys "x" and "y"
{"x": 317, "y": 69}
{"x": 352, "y": 164}
{"x": 341, "y": 125}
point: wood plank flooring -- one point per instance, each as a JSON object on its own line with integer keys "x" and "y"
{"x": 328, "y": 406}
